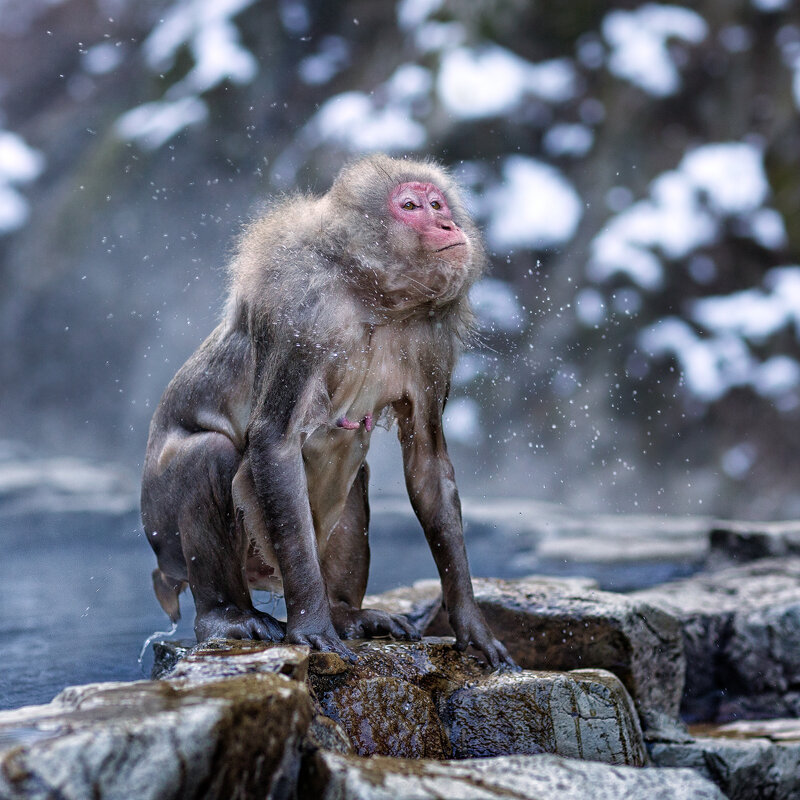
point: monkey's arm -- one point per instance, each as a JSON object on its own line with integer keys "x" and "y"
{"x": 274, "y": 449}
{"x": 430, "y": 480}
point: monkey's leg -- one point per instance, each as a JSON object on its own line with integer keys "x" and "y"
{"x": 345, "y": 566}
{"x": 193, "y": 497}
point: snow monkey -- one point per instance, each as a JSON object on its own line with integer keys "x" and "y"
{"x": 342, "y": 308}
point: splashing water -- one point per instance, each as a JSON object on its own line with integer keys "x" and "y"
{"x": 150, "y": 639}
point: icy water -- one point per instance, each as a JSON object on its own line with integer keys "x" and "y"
{"x": 76, "y": 603}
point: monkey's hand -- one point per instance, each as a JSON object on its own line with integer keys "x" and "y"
{"x": 230, "y": 622}
{"x": 319, "y": 637}
{"x": 368, "y": 623}
{"x": 471, "y": 629}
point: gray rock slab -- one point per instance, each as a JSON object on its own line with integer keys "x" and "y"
{"x": 330, "y": 776}
{"x": 741, "y": 631}
{"x": 584, "y": 714}
{"x": 746, "y": 759}
{"x": 166, "y": 739}
{"x": 562, "y": 625}
{"x": 223, "y": 658}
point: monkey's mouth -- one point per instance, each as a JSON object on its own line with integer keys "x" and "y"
{"x": 450, "y": 246}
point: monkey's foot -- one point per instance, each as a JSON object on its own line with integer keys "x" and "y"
{"x": 368, "y": 623}
{"x": 327, "y": 641}
{"x": 229, "y": 622}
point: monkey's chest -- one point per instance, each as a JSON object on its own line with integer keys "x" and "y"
{"x": 335, "y": 451}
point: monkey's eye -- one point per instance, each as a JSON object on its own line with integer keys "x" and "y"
{"x": 408, "y": 205}
{"x": 436, "y": 204}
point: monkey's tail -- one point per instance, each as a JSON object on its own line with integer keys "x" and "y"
{"x": 167, "y": 591}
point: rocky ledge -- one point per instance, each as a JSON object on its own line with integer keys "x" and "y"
{"x": 598, "y": 709}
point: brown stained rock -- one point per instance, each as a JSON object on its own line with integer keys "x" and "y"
{"x": 386, "y": 703}
{"x": 566, "y": 624}
{"x": 238, "y": 737}
{"x": 741, "y": 631}
{"x": 327, "y": 776}
{"x": 584, "y": 714}
{"x": 746, "y": 759}
{"x": 387, "y": 716}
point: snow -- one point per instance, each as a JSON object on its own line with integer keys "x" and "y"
{"x": 333, "y": 56}
{"x": 769, "y": 6}
{"x": 730, "y": 173}
{"x": 19, "y": 163}
{"x": 534, "y": 206}
{"x": 103, "y": 58}
{"x": 492, "y": 81}
{"x": 496, "y": 305}
{"x": 353, "y": 120}
{"x": 590, "y": 307}
{"x": 757, "y": 313}
{"x": 409, "y": 83}
{"x": 462, "y": 420}
{"x": 413, "y": 13}
{"x": 207, "y": 29}
{"x": 154, "y": 124}
{"x": 685, "y": 211}
{"x": 638, "y": 41}
{"x": 723, "y": 358}
{"x": 568, "y": 140}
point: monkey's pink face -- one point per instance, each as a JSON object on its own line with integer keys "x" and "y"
{"x": 423, "y": 208}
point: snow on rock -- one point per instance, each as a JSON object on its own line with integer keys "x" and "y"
{"x": 638, "y": 41}
{"x": 685, "y": 211}
{"x": 492, "y": 81}
{"x": 534, "y": 206}
{"x": 19, "y": 163}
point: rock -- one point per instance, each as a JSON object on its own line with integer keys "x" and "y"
{"x": 739, "y": 542}
{"x": 540, "y": 777}
{"x": 567, "y": 624}
{"x": 741, "y": 632}
{"x": 168, "y": 739}
{"x": 745, "y": 759}
{"x": 584, "y": 714}
{"x": 223, "y": 658}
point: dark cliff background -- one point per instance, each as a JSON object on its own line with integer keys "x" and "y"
{"x": 636, "y": 169}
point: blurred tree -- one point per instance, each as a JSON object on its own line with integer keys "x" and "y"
{"x": 635, "y": 167}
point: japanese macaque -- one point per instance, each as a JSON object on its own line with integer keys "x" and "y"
{"x": 342, "y": 309}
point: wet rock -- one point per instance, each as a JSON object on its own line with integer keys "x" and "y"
{"x": 567, "y": 624}
{"x": 741, "y": 631}
{"x": 584, "y": 714}
{"x": 738, "y": 542}
{"x": 539, "y": 777}
{"x": 167, "y": 739}
{"x": 746, "y": 759}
